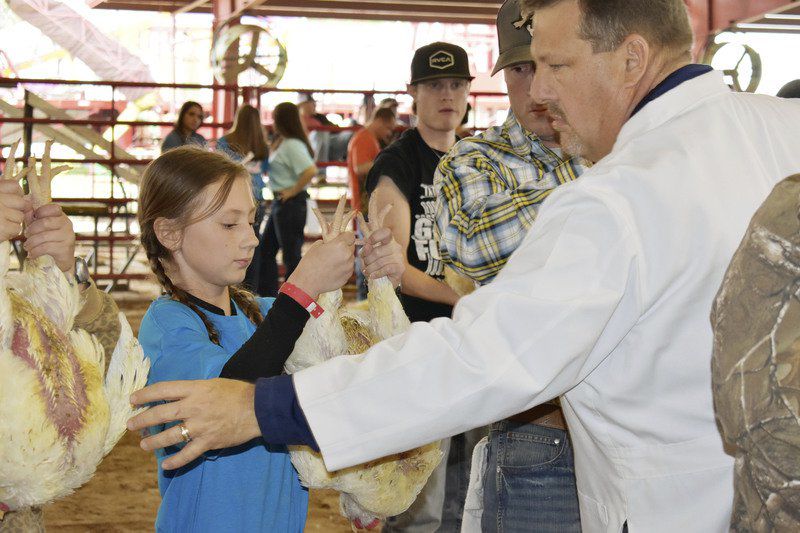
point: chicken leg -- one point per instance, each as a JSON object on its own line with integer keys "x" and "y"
{"x": 323, "y": 337}
{"x": 388, "y": 486}
{"x": 6, "y": 324}
{"x": 45, "y": 285}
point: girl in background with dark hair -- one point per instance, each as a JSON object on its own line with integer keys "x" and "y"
{"x": 190, "y": 118}
{"x": 291, "y": 170}
{"x": 247, "y": 142}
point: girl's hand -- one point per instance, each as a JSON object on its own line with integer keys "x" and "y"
{"x": 326, "y": 266}
{"x": 13, "y": 206}
{"x": 383, "y": 256}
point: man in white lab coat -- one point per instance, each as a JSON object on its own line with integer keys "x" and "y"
{"x": 618, "y": 279}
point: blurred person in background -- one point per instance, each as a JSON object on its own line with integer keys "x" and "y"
{"x": 320, "y": 139}
{"x": 291, "y": 170}
{"x": 190, "y": 118}
{"x": 391, "y": 103}
{"x": 247, "y": 142}
{"x": 362, "y": 150}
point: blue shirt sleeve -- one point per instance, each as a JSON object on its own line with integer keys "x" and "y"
{"x": 173, "y": 140}
{"x": 177, "y": 344}
{"x": 280, "y": 417}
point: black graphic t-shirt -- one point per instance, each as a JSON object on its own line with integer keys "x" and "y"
{"x": 411, "y": 164}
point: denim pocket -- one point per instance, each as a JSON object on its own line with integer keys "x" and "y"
{"x": 534, "y": 482}
{"x": 530, "y": 450}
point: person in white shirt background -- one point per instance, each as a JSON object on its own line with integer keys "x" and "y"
{"x": 619, "y": 277}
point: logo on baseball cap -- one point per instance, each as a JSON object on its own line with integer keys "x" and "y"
{"x": 439, "y": 60}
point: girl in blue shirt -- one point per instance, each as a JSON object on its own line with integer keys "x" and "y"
{"x": 195, "y": 212}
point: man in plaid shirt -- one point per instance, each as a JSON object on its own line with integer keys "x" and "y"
{"x": 489, "y": 189}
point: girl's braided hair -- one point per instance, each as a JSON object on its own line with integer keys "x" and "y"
{"x": 171, "y": 188}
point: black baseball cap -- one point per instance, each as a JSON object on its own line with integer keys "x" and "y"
{"x": 440, "y": 60}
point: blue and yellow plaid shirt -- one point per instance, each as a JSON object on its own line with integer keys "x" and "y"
{"x": 488, "y": 191}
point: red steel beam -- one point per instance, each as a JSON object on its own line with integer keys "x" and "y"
{"x": 115, "y": 83}
{"x": 100, "y": 122}
{"x": 261, "y": 90}
{"x": 724, "y": 13}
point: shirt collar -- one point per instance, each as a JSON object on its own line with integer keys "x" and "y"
{"x": 526, "y": 144}
{"x": 520, "y": 138}
{"x": 681, "y": 75}
{"x": 210, "y": 307}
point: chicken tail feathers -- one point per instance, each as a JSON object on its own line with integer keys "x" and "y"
{"x": 127, "y": 372}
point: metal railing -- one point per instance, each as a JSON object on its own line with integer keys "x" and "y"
{"x": 79, "y": 134}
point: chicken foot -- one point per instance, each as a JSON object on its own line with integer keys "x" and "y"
{"x": 47, "y": 286}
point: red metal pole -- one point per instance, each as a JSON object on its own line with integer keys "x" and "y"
{"x": 225, "y": 100}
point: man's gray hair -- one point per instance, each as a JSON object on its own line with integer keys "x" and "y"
{"x": 606, "y": 23}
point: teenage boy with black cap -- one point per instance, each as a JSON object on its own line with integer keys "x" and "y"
{"x": 402, "y": 176}
{"x": 489, "y": 189}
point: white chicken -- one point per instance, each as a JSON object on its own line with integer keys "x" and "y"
{"x": 388, "y": 486}
{"x": 58, "y": 416}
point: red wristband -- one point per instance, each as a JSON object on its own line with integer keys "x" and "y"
{"x": 307, "y": 302}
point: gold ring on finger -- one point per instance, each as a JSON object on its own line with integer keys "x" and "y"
{"x": 185, "y": 433}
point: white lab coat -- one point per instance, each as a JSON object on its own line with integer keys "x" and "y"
{"x": 607, "y": 303}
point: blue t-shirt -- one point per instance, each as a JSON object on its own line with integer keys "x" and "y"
{"x": 256, "y": 179}
{"x": 287, "y": 163}
{"x": 175, "y": 139}
{"x": 252, "y": 487}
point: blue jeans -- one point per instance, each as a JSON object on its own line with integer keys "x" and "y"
{"x": 530, "y": 480}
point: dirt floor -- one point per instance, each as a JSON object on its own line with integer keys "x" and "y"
{"x": 123, "y": 495}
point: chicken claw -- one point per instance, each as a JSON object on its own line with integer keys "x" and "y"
{"x": 341, "y": 221}
{"x": 40, "y": 184}
{"x": 9, "y": 170}
{"x": 375, "y": 222}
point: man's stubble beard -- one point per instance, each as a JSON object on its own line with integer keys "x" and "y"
{"x": 571, "y": 144}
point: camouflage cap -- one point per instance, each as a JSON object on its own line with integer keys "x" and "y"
{"x": 514, "y": 36}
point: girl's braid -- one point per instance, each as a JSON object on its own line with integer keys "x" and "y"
{"x": 154, "y": 251}
{"x": 246, "y": 300}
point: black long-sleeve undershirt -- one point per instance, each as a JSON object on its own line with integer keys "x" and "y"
{"x": 266, "y": 351}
